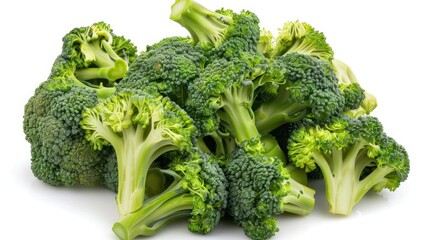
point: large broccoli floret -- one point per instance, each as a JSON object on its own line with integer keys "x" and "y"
{"x": 220, "y": 33}
{"x": 60, "y": 155}
{"x": 91, "y": 58}
{"x": 310, "y": 90}
{"x": 354, "y": 156}
{"x": 169, "y": 66}
{"x": 260, "y": 188}
{"x": 94, "y": 57}
{"x": 141, "y": 126}
{"x": 198, "y": 191}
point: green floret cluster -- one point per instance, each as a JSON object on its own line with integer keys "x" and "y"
{"x": 230, "y": 121}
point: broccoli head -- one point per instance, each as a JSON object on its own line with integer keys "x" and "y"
{"x": 260, "y": 188}
{"x": 169, "y": 66}
{"x": 60, "y": 155}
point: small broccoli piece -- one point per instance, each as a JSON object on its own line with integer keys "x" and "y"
{"x": 169, "y": 66}
{"x": 260, "y": 188}
{"x": 310, "y": 91}
{"x": 94, "y": 57}
{"x": 353, "y": 94}
{"x": 266, "y": 42}
{"x": 296, "y": 37}
{"x": 198, "y": 191}
{"x": 220, "y": 33}
{"x": 60, "y": 155}
{"x": 354, "y": 156}
{"x": 358, "y": 101}
{"x": 141, "y": 126}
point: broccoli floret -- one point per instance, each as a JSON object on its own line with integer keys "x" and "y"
{"x": 60, "y": 155}
{"x": 141, "y": 126}
{"x": 198, "y": 191}
{"x": 358, "y": 101}
{"x": 354, "y": 155}
{"x": 221, "y": 33}
{"x": 296, "y": 37}
{"x": 310, "y": 91}
{"x": 169, "y": 66}
{"x": 260, "y": 188}
{"x": 224, "y": 94}
{"x": 353, "y": 94}
{"x": 94, "y": 57}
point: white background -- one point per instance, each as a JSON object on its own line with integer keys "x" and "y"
{"x": 385, "y": 43}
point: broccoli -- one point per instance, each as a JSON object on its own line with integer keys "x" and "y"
{"x": 260, "y": 188}
{"x": 310, "y": 91}
{"x": 353, "y": 154}
{"x": 141, "y": 126}
{"x": 198, "y": 191}
{"x": 224, "y": 94}
{"x": 60, "y": 155}
{"x": 169, "y": 66}
{"x": 357, "y": 100}
{"x": 94, "y": 57}
{"x": 296, "y": 37}
{"x": 221, "y": 33}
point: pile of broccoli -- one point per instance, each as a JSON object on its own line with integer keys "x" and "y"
{"x": 228, "y": 121}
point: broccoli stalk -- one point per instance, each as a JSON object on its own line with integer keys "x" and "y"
{"x": 140, "y": 127}
{"x": 354, "y": 156}
{"x": 64, "y": 70}
{"x": 198, "y": 191}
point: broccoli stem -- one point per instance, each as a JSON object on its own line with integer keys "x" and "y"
{"x": 299, "y": 200}
{"x": 135, "y": 156}
{"x": 277, "y": 112}
{"x": 238, "y": 116}
{"x": 203, "y": 24}
{"x": 103, "y": 61}
{"x": 111, "y": 73}
{"x": 273, "y": 149}
{"x": 343, "y": 189}
{"x": 155, "y": 214}
{"x": 94, "y": 54}
{"x": 102, "y": 92}
{"x": 375, "y": 177}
